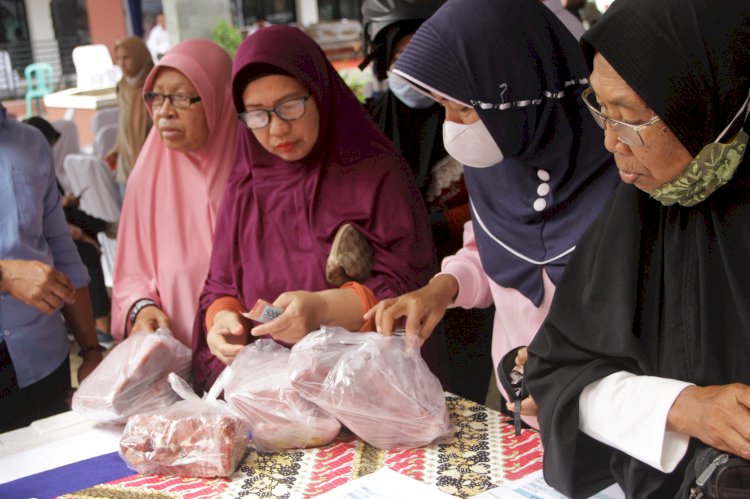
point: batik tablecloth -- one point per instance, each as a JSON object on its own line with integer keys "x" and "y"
{"x": 483, "y": 453}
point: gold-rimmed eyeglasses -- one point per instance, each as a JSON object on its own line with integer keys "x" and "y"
{"x": 627, "y": 133}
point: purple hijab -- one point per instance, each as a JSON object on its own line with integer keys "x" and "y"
{"x": 278, "y": 219}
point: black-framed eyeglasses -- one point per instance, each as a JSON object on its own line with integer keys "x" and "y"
{"x": 627, "y": 133}
{"x": 289, "y": 110}
{"x": 180, "y": 101}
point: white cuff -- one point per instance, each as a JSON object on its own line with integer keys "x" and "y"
{"x": 629, "y": 412}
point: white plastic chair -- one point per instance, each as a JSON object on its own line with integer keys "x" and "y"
{"x": 68, "y": 143}
{"x": 94, "y": 67}
{"x": 101, "y": 197}
{"x": 105, "y": 140}
{"x": 9, "y": 79}
{"x": 105, "y": 116}
{"x": 108, "y": 246}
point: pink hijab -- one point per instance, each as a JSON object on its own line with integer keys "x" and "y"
{"x": 172, "y": 199}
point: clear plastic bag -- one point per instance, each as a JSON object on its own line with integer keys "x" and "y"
{"x": 377, "y": 386}
{"x": 260, "y": 390}
{"x": 132, "y": 378}
{"x": 192, "y": 438}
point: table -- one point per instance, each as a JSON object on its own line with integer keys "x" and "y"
{"x": 483, "y": 453}
{"x": 77, "y": 98}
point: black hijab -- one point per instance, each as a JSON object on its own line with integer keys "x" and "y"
{"x": 653, "y": 290}
{"x": 518, "y": 66}
{"x": 416, "y": 133}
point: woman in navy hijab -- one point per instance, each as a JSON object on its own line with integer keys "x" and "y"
{"x": 510, "y": 77}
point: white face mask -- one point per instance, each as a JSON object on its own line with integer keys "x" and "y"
{"x": 471, "y": 145}
{"x": 407, "y": 94}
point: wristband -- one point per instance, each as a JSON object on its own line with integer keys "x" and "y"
{"x": 138, "y": 306}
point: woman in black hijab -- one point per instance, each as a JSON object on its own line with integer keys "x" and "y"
{"x": 643, "y": 359}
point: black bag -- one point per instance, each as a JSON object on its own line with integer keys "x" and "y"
{"x": 512, "y": 379}
{"x": 720, "y": 475}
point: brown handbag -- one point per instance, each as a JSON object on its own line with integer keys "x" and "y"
{"x": 350, "y": 258}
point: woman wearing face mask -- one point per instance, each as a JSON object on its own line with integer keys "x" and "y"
{"x": 642, "y": 363}
{"x": 510, "y": 80}
{"x": 171, "y": 204}
{"x": 309, "y": 160}
{"x": 413, "y": 121}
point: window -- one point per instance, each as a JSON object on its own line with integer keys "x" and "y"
{"x": 273, "y": 11}
{"x": 329, "y": 10}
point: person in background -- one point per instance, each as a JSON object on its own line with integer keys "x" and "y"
{"x": 133, "y": 57}
{"x": 642, "y": 363}
{"x": 413, "y": 121}
{"x": 308, "y": 162}
{"x": 570, "y": 20}
{"x": 83, "y": 229}
{"x": 260, "y": 22}
{"x": 535, "y": 168}
{"x": 158, "y": 38}
{"x": 171, "y": 204}
{"x": 585, "y": 10}
{"x": 41, "y": 275}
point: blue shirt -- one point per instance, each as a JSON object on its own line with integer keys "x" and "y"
{"x": 33, "y": 227}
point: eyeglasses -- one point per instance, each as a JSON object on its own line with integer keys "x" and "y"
{"x": 289, "y": 110}
{"x": 180, "y": 101}
{"x": 626, "y": 133}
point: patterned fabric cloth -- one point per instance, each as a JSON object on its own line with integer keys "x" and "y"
{"x": 483, "y": 453}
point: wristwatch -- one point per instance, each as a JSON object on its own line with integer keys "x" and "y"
{"x": 138, "y": 306}
{"x": 90, "y": 348}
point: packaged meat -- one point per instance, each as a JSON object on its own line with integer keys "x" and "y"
{"x": 260, "y": 390}
{"x": 378, "y": 386}
{"x": 192, "y": 438}
{"x": 132, "y": 378}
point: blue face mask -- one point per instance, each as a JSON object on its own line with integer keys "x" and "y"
{"x": 407, "y": 94}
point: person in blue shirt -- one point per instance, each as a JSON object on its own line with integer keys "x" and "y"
{"x": 41, "y": 275}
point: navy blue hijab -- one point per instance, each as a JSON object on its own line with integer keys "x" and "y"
{"x": 523, "y": 72}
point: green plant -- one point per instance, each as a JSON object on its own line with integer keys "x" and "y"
{"x": 227, "y": 37}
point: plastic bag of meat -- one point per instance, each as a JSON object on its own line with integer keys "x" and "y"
{"x": 132, "y": 378}
{"x": 260, "y": 391}
{"x": 192, "y": 438}
{"x": 377, "y": 386}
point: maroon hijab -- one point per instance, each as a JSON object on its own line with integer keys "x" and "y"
{"x": 278, "y": 219}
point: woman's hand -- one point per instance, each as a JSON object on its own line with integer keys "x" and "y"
{"x": 423, "y": 308}
{"x": 150, "y": 318}
{"x": 227, "y": 336}
{"x": 717, "y": 415}
{"x": 303, "y": 312}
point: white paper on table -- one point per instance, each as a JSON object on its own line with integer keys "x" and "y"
{"x": 53, "y": 442}
{"x": 533, "y": 486}
{"x": 385, "y": 484}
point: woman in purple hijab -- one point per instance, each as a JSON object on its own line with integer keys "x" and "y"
{"x": 309, "y": 160}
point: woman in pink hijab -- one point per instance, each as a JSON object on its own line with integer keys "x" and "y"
{"x": 170, "y": 207}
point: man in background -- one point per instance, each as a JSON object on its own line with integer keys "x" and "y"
{"x": 41, "y": 275}
{"x": 158, "y": 38}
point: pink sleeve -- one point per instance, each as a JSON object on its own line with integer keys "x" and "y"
{"x": 473, "y": 284}
{"x": 134, "y": 273}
